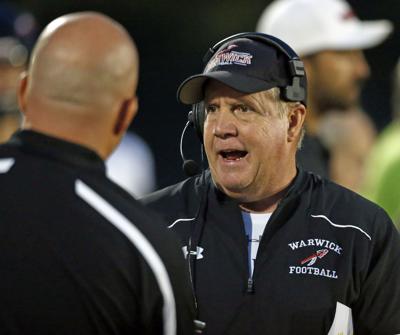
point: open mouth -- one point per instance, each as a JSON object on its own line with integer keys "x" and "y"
{"x": 232, "y": 155}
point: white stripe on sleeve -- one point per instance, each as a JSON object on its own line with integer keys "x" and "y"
{"x": 141, "y": 243}
{"x": 6, "y": 164}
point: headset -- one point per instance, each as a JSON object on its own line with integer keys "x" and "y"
{"x": 296, "y": 91}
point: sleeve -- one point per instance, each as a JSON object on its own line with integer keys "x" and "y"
{"x": 377, "y": 311}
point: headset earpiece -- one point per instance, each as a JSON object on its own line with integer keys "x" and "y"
{"x": 197, "y": 117}
{"x": 295, "y": 91}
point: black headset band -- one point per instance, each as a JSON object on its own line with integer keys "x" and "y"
{"x": 260, "y": 37}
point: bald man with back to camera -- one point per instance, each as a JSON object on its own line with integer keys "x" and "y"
{"x": 79, "y": 255}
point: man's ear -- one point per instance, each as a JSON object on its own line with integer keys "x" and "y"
{"x": 126, "y": 113}
{"x": 22, "y": 91}
{"x": 296, "y": 118}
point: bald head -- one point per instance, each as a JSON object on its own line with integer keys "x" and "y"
{"x": 83, "y": 71}
{"x": 83, "y": 58}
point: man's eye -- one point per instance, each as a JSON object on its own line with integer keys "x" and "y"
{"x": 210, "y": 109}
{"x": 242, "y": 108}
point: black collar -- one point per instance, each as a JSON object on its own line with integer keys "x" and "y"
{"x": 296, "y": 187}
{"x": 57, "y": 149}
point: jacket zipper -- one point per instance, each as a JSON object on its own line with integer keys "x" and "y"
{"x": 250, "y": 288}
{"x": 250, "y": 280}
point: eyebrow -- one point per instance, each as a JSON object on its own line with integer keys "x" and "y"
{"x": 252, "y": 103}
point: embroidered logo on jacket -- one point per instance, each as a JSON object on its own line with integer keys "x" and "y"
{"x": 198, "y": 252}
{"x": 310, "y": 265}
{"x": 313, "y": 258}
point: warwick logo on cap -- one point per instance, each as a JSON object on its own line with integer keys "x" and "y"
{"x": 228, "y": 56}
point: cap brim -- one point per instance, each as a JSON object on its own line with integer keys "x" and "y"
{"x": 364, "y": 35}
{"x": 191, "y": 90}
{"x": 368, "y": 34}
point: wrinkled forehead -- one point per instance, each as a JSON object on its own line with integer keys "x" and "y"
{"x": 214, "y": 89}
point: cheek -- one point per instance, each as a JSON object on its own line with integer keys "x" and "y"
{"x": 333, "y": 74}
{"x": 275, "y": 129}
{"x": 206, "y": 133}
{"x": 273, "y": 138}
{"x": 207, "y": 139}
{"x": 342, "y": 72}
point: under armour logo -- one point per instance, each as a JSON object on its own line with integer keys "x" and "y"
{"x": 198, "y": 252}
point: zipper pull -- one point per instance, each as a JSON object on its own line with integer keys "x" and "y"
{"x": 250, "y": 288}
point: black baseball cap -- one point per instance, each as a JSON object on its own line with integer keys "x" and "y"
{"x": 244, "y": 64}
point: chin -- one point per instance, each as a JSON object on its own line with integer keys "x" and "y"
{"x": 233, "y": 183}
{"x": 233, "y": 190}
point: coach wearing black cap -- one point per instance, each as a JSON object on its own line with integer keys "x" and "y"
{"x": 272, "y": 249}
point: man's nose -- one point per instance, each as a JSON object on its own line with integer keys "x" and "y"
{"x": 360, "y": 64}
{"x": 225, "y": 124}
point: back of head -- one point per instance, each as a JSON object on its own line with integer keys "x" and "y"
{"x": 83, "y": 69}
{"x": 83, "y": 59}
{"x": 310, "y": 26}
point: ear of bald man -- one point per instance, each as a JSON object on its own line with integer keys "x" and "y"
{"x": 21, "y": 93}
{"x": 126, "y": 114}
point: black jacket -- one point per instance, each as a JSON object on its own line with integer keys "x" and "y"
{"x": 324, "y": 251}
{"x": 78, "y": 255}
{"x": 314, "y": 156}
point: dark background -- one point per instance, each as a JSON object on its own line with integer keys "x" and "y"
{"x": 172, "y": 38}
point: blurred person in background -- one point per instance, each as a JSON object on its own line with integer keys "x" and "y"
{"x": 382, "y": 182}
{"x": 330, "y": 38}
{"x": 132, "y": 165}
{"x": 349, "y": 138}
{"x": 18, "y": 30}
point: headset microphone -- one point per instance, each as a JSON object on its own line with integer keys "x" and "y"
{"x": 189, "y": 166}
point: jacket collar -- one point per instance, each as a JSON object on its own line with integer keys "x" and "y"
{"x": 57, "y": 149}
{"x": 295, "y": 188}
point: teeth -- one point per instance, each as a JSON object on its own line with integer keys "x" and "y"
{"x": 233, "y": 155}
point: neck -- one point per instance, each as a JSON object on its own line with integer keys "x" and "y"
{"x": 74, "y": 123}
{"x": 73, "y": 135}
{"x": 267, "y": 204}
